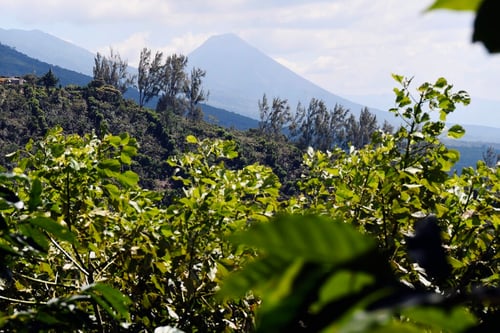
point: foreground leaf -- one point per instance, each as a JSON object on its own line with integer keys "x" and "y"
{"x": 313, "y": 238}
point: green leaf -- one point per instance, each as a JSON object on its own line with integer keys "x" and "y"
{"x": 455, "y": 4}
{"x": 313, "y": 238}
{"x": 451, "y": 320}
{"x": 113, "y": 190}
{"x": 456, "y": 132}
{"x": 54, "y": 228}
{"x": 36, "y": 191}
{"x": 128, "y": 178}
{"x": 112, "y": 300}
{"x": 341, "y": 284}
{"x": 398, "y": 78}
{"x": 110, "y": 164}
{"x": 255, "y": 273}
{"x": 191, "y": 139}
{"x": 441, "y": 82}
{"x": 5, "y": 249}
{"x": 125, "y": 159}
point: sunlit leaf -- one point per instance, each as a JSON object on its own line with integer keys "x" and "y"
{"x": 456, "y": 132}
{"x": 128, "y": 178}
{"x": 191, "y": 139}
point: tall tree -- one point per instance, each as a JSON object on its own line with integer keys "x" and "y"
{"x": 194, "y": 93}
{"x": 490, "y": 157}
{"x": 305, "y": 124}
{"x": 359, "y": 132}
{"x": 318, "y": 127}
{"x": 150, "y": 73}
{"x": 112, "y": 70}
{"x": 174, "y": 79}
{"x": 337, "y": 125}
{"x": 274, "y": 118}
{"x": 49, "y": 80}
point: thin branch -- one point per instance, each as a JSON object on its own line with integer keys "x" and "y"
{"x": 22, "y": 301}
{"x": 44, "y": 281}
{"x": 73, "y": 260}
{"x": 105, "y": 267}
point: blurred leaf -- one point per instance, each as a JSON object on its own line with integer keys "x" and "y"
{"x": 314, "y": 238}
{"x": 255, "y": 273}
{"x": 487, "y": 25}
{"x": 455, "y": 4}
{"x": 452, "y": 320}
{"x": 191, "y": 139}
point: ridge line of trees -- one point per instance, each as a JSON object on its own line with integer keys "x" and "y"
{"x": 316, "y": 125}
{"x": 168, "y": 80}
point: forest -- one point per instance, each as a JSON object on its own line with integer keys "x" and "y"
{"x": 115, "y": 217}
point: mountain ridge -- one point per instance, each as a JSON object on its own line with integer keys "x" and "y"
{"x": 15, "y": 63}
{"x": 245, "y": 74}
{"x": 50, "y": 49}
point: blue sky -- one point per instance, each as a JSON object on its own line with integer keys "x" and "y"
{"x": 349, "y": 47}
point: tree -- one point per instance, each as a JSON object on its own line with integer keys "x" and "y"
{"x": 275, "y": 118}
{"x": 319, "y": 127}
{"x": 49, "y": 80}
{"x": 194, "y": 93}
{"x": 150, "y": 74}
{"x": 359, "y": 132}
{"x": 172, "y": 84}
{"x": 491, "y": 157}
{"x": 112, "y": 70}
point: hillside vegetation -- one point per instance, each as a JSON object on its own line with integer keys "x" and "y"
{"x": 28, "y": 112}
{"x": 115, "y": 217}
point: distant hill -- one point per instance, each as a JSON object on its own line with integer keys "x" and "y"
{"x": 50, "y": 49}
{"x": 14, "y": 63}
{"x": 228, "y": 119}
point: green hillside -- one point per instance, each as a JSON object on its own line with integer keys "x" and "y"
{"x": 29, "y": 112}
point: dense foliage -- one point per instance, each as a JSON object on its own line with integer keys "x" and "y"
{"x": 384, "y": 237}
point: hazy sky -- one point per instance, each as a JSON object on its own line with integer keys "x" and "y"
{"x": 349, "y": 47}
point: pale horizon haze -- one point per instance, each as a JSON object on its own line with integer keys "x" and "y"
{"x": 348, "y": 47}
